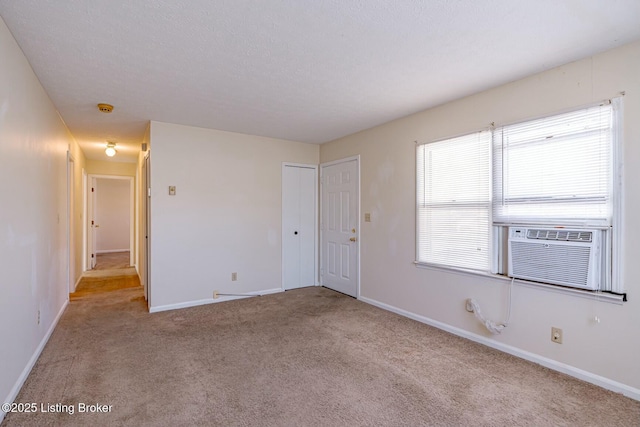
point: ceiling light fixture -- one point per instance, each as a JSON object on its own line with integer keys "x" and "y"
{"x": 105, "y": 108}
{"x": 111, "y": 149}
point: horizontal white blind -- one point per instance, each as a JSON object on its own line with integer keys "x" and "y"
{"x": 555, "y": 170}
{"x": 454, "y": 202}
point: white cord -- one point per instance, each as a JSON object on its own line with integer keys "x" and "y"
{"x": 494, "y": 328}
{"x": 596, "y": 318}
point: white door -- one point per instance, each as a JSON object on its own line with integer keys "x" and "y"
{"x": 339, "y": 226}
{"x": 298, "y": 226}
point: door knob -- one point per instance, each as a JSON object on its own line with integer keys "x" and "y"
{"x": 353, "y": 239}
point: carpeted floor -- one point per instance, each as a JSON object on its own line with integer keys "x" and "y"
{"x": 106, "y": 281}
{"x": 112, "y": 260}
{"x": 308, "y": 357}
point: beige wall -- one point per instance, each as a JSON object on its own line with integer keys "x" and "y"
{"x": 79, "y": 163}
{"x": 34, "y": 262}
{"x": 226, "y": 215}
{"x": 140, "y": 220}
{"x": 609, "y": 349}
{"x": 103, "y": 167}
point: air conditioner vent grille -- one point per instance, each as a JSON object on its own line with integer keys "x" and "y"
{"x": 562, "y": 265}
{"x": 560, "y": 235}
{"x": 567, "y": 257}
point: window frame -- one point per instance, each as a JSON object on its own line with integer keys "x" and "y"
{"x": 484, "y": 204}
{"x": 612, "y": 244}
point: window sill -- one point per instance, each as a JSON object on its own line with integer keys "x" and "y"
{"x": 598, "y": 296}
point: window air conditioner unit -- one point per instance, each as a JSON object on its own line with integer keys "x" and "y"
{"x": 555, "y": 255}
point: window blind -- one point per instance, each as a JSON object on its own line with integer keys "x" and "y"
{"x": 454, "y": 202}
{"x": 555, "y": 170}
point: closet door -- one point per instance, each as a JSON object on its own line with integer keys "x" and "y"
{"x": 299, "y": 207}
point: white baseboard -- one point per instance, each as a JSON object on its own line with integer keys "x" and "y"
{"x": 589, "y": 377}
{"x": 110, "y": 251}
{"x": 222, "y": 298}
{"x": 75, "y": 285}
{"x": 34, "y": 358}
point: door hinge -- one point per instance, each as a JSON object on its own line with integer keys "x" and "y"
{"x": 91, "y": 222}
{"x": 149, "y": 192}
{"x": 91, "y": 255}
{"x": 92, "y": 189}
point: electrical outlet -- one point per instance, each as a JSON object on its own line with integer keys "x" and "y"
{"x": 367, "y": 217}
{"x": 556, "y": 335}
{"x": 38, "y": 317}
{"x": 216, "y": 294}
{"x": 234, "y": 277}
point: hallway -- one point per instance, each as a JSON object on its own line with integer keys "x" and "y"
{"x": 110, "y": 265}
{"x": 112, "y": 260}
{"x": 112, "y": 272}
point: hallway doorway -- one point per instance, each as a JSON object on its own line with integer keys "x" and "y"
{"x": 109, "y": 228}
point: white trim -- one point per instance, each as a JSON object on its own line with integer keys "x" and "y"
{"x": 599, "y": 296}
{"x": 616, "y": 254}
{"x": 85, "y": 223}
{"x": 71, "y": 249}
{"x": 34, "y": 358}
{"x": 316, "y": 271}
{"x": 132, "y": 220}
{"x": 589, "y": 377}
{"x": 132, "y": 217}
{"x": 355, "y": 158}
{"x": 196, "y": 303}
{"x": 110, "y": 251}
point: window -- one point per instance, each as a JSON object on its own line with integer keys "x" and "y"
{"x": 555, "y": 170}
{"x": 454, "y": 202}
{"x": 560, "y": 170}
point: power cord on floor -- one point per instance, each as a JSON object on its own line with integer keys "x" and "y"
{"x": 495, "y": 328}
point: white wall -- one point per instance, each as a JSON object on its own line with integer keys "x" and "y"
{"x": 609, "y": 349}
{"x": 225, "y": 217}
{"x": 113, "y": 211}
{"x": 33, "y": 215}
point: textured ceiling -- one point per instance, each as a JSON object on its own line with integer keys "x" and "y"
{"x": 304, "y": 70}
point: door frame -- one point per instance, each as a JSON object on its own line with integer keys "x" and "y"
{"x": 90, "y": 199}
{"x": 85, "y": 222}
{"x": 144, "y": 212}
{"x": 71, "y": 223}
{"x": 358, "y": 222}
{"x": 316, "y": 219}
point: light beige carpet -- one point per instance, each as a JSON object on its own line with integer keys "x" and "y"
{"x": 112, "y": 260}
{"x": 107, "y": 281}
{"x": 309, "y": 357}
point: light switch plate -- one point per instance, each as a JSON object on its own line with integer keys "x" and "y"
{"x": 172, "y": 190}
